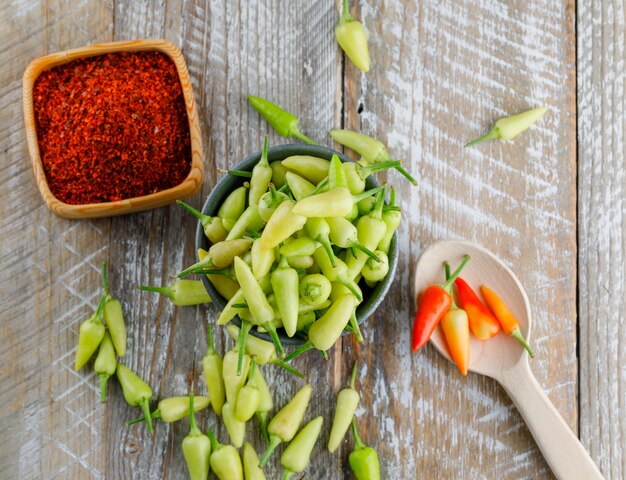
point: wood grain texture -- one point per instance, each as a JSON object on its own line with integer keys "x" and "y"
{"x": 442, "y": 73}
{"x": 601, "y": 234}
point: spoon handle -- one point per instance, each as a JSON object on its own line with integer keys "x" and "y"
{"x": 566, "y": 456}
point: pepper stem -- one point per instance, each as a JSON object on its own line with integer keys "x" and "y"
{"x": 323, "y": 354}
{"x": 241, "y": 344}
{"x": 323, "y": 184}
{"x": 301, "y": 136}
{"x": 365, "y": 172}
{"x": 350, "y": 286}
{"x": 271, "y": 329}
{"x": 345, "y": 12}
{"x": 367, "y": 193}
{"x": 252, "y": 372}
{"x": 448, "y": 285}
{"x": 104, "y": 378}
{"x": 494, "y": 133}
{"x": 392, "y": 197}
{"x": 215, "y": 444}
{"x": 213, "y": 271}
{"x": 154, "y": 415}
{"x": 299, "y": 351}
{"x": 357, "y": 439}
{"x": 209, "y": 339}
{"x": 200, "y": 216}
{"x": 355, "y": 328}
{"x": 146, "y": 413}
{"x": 366, "y": 251}
{"x": 288, "y": 367}
{"x": 105, "y": 279}
{"x": 196, "y": 266}
{"x": 405, "y": 173}
{"x": 193, "y": 426}
{"x": 353, "y": 374}
{"x": 516, "y": 333}
{"x": 446, "y": 267}
{"x": 287, "y": 474}
{"x": 240, "y": 173}
{"x": 274, "y": 442}
{"x": 328, "y": 249}
{"x": 149, "y": 288}
{"x": 262, "y": 416}
{"x": 377, "y": 211}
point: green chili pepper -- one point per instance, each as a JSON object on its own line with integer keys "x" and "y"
{"x": 301, "y": 246}
{"x": 371, "y": 230}
{"x": 233, "y": 381}
{"x": 231, "y": 309}
{"x": 265, "y": 403}
{"x": 196, "y": 447}
{"x": 508, "y": 128}
{"x": 182, "y": 292}
{"x": 356, "y": 174}
{"x": 137, "y": 393}
{"x": 371, "y": 150}
{"x": 300, "y": 187}
{"x": 352, "y": 39}
{"x": 338, "y": 273}
{"x": 225, "y": 461}
{"x": 212, "y": 366}
{"x": 105, "y": 364}
{"x": 251, "y": 469}
{"x": 249, "y": 396}
{"x": 113, "y": 316}
{"x": 305, "y": 320}
{"x": 220, "y": 255}
{"x": 250, "y": 219}
{"x": 285, "y": 285}
{"x": 90, "y": 335}
{"x": 336, "y": 174}
{"x": 366, "y": 205}
{"x": 312, "y": 169}
{"x": 334, "y": 203}
{"x": 283, "y": 122}
{"x": 392, "y": 219}
{"x": 344, "y": 234}
{"x": 347, "y": 402}
{"x": 256, "y": 300}
{"x": 315, "y": 289}
{"x": 270, "y": 201}
{"x": 279, "y": 172}
{"x": 261, "y": 177}
{"x": 224, "y": 285}
{"x": 283, "y": 223}
{"x": 262, "y": 259}
{"x": 264, "y": 352}
{"x": 375, "y": 271}
{"x": 233, "y": 207}
{"x": 319, "y": 230}
{"x": 173, "y": 409}
{"x": 363, "y": 459}
{"x": 300, "y": 262}
{"x": 213, "y": 226}
{"x": 325, "y": 331}
{"x": 285, "y": 424}
{"x": 296, "y": 456}
{"x": 236, "y": 428}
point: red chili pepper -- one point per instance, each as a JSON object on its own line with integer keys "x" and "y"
{"x": 432, "y": 305}
{"x": 482, "y": 323}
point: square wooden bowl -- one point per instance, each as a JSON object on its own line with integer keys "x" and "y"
{"x": 188, "y": 187}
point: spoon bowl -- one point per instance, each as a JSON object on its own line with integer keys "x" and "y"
{"x": 503, "y": 358}
{"x": 501, "y": 352}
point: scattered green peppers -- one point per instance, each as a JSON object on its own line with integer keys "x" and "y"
{"x": 283, "y": 122}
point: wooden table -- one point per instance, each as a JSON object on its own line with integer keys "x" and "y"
{"x": 551, "y": 204}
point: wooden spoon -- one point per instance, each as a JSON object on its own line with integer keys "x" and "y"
{"x": 504, "y": 359}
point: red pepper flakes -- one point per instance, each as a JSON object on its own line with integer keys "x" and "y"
{"x": 112, "y": 127}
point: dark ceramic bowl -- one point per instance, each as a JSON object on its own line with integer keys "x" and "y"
{"x": 372, "y": 297}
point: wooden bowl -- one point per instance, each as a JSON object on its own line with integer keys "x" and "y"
{"x": 188, "y": 187}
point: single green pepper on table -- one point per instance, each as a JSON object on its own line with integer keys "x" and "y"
{"x": 137, "y": 393}
{"x": 182, "y": 292}
{"x": 285, "y": 123}
{"x": 296, "y": 456}
{"x": 363, "y": 459}
{"x": 224, "y": 460}
{"x": 251, "y": 469}
{"x": 173, "y": 409}
{"x": 508, "y": 128}
{"x": 347, "y": 402}
{"x": 352, "y": 39}
{"x": 105, "y": 364}
{"x": 196, "y": 447}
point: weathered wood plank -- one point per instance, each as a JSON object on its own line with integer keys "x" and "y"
{"x": 49, "y": 279}
{"x": 601, "y": 235}
{"x": 442, "y": 73}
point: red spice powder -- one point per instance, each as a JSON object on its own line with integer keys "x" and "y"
{"x": 112, "y": 127}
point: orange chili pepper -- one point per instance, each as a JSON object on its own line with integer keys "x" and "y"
{"x": 482, "y": 323}
{"x": 505, "y": 317}
{"x": 455, "y": 326}
{"x": 432, "y": 305}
